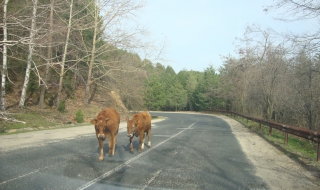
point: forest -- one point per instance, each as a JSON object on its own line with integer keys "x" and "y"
{"x": 52, "y": 48}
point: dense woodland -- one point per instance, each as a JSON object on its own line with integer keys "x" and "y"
{"x": 51, "y": 48}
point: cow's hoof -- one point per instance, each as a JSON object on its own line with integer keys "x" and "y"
{"x": 100, "y": 159}
{"x": 140, "y": 150}
{"x": 131, "y": 151}
{"x": 111, "y": 155}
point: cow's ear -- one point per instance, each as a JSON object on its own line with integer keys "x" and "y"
{"x": 136, "y": 121}
{"x": 93, "y": 121}
{"x": 107, "y": 119}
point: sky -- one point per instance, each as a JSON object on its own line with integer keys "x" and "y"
{"x": 197, "y": 32}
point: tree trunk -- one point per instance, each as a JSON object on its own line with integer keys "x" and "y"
{"x": 92, "y": 60}
{"x": 29, "y": 59}
{"x": 4, "y": 58}
{"x": 49, "y": 56}
{"x": 64, "y": 55}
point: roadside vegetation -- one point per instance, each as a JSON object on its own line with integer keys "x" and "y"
{"x": 299, "y": 149}
{"x": 32, "y": 120}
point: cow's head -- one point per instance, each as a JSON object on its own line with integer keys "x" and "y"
{"x": 130, "y": 127}
{"x": 100, "y": 126}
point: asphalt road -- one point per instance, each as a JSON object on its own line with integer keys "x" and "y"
{"x": 189, "y": 151}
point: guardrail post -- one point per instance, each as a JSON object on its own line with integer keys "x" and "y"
{"x": 270, "y": 130}
{"x": 285, "y": 138}
{"x": 260, "y": 127}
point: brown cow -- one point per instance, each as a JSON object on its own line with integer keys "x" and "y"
{"x": 107, "y": 126}
{"x": 138, "y": 126}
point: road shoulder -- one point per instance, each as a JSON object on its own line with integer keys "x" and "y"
{"x": 277, "y": 169}
{"x": 39, "y": 138}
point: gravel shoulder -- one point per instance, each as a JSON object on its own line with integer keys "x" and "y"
{"x": 274, "y": 167}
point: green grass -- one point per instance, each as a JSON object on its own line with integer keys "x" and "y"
{"x": 32, "y": 121}
{"x": 297, "y": 147}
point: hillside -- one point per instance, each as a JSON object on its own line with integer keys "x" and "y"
{"x": 51, "y": 117}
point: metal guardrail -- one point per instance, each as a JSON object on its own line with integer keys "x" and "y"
{"x": 287, "y": 129}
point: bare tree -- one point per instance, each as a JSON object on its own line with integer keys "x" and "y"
{"x": 235, "y": 82}
{"x": 93, "y": 51}
{"x": 303, "y": 101}
{"x": 30, "y": 54}
{"x": 108, "y": 27}
{"x": 304, "y": 71}
{"x": 297, "y": 10}
{"x": 255, "y": 77}
{"x": 57, "y": 40}
{"x": 4, "y": 56}
{"x": 65, "y": 51}
{"x": 268, "y": 79}
{"x": 130, "y": 84}
{"x": 49, "y": 60}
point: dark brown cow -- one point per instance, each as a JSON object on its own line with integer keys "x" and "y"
{"x": 138, "y": 126}
{"x": 107, "y": 126}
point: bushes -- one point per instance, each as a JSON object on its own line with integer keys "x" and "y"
{"x": 62, "y": 106}
{"x": 79, "y": 116}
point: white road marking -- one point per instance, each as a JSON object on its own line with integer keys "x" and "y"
{"x": 21, "y": 176}
{"x": 95, "y": 180}
{"x": 162, "y": 135}
{"x": 152, "y": 178}
{"x": 24, "y": 175}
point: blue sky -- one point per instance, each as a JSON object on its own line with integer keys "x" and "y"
{"x": 197, "y": 32}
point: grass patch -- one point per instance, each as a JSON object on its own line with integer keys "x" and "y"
{"x": 297, "y": 147}
{"x": 32, "y": 120}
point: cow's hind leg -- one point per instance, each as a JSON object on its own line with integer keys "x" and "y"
{"x": 149, "y": 135}
{"x": 101, "y": 157}
{"x": 114, "y": 144}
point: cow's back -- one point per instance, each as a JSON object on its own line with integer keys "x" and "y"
{"x": 147, "y": 117}
{"x": 144, "y": 120}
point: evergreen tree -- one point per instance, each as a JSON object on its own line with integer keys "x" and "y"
{"x": 205, "y": 94}
{"x": 154, "y": 94}
{"x": 177, "y": 96}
